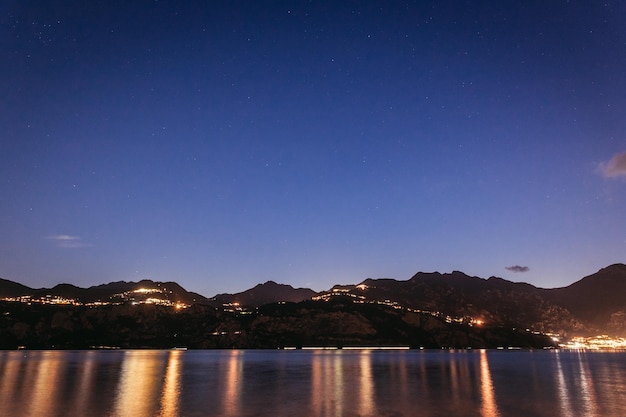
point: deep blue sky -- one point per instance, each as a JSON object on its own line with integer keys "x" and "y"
{"x": 223, "y": 144}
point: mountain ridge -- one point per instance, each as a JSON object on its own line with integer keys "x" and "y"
{"x": 265, "y": 293}
{"x": 592, "y": 305}
{"x": 103, "y": 292}
{"x": 14, "y": 288}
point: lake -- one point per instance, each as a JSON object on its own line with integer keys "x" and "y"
{"x": 313, "y": 383}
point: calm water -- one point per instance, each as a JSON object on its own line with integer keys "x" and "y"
{"x": 312, "y": 383}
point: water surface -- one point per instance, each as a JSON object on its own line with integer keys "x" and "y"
{"x": 312, "y": 383}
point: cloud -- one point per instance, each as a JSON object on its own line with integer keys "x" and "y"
{"x": 67, "y": 241}
{"x": 517, "y": 268}
{"x": 616, "y": 167}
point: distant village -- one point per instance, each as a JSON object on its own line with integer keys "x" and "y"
{"x": 157, "y": 296}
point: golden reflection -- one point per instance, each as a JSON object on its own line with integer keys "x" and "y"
{"x": 138, "y": 387}
{"x": 460, "y": 382}
{"x": 338, "y": 379}
{"x": 85, "y": 383}
{"x": 366, "y": 400}
{"x": 454, "y": 379}
{"x": 9, "y": 372}
{"x": 564, "y": 396}
{"x": 327, "y": 383}
{"x": 316, "y": 384}
{"x": 47, "y": 381}
{"x": 587, "y": 389}
{"x": 170, "y": 395}
{"x": 403, "y": 376}
{"x": 489, "y": 407}
{"x": 234, "y": 377}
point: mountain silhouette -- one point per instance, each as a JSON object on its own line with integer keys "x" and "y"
{"x": 266, "y": 293}
{"x": 428, "y": 310}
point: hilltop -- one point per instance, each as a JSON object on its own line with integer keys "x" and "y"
{"x": 428, "y": 310}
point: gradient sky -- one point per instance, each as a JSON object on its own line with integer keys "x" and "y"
{"x": 224, "y": 144}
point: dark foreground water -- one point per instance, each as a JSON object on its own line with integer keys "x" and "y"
{"x": 312, "y": 383}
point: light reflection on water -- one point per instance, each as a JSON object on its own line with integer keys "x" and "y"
{"x": 312, "y": 383}
{"x": 367, "y": 404}
{"x": 45, "y": 387}
{"x": 489, "y": 407}
{"x": 564, "y": 393}
{"x": 139, "y": 383}
{"x": 587, "y": 392}
{"x": 234, "y": 380}
{"x": 171, "y": 386}
{"x": 85, "y": 376}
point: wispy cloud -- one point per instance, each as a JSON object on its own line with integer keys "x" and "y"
{"x": 615, "y": 167}
{"x": 68, "y": 241}
{"x": 517, "y": 268}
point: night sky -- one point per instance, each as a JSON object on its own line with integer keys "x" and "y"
{"x": 224, "y": 144}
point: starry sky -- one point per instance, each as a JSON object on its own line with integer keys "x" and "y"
{"x": 224, "y": 144}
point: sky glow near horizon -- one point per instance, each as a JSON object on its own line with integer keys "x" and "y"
{"x": 221, "y": 145}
